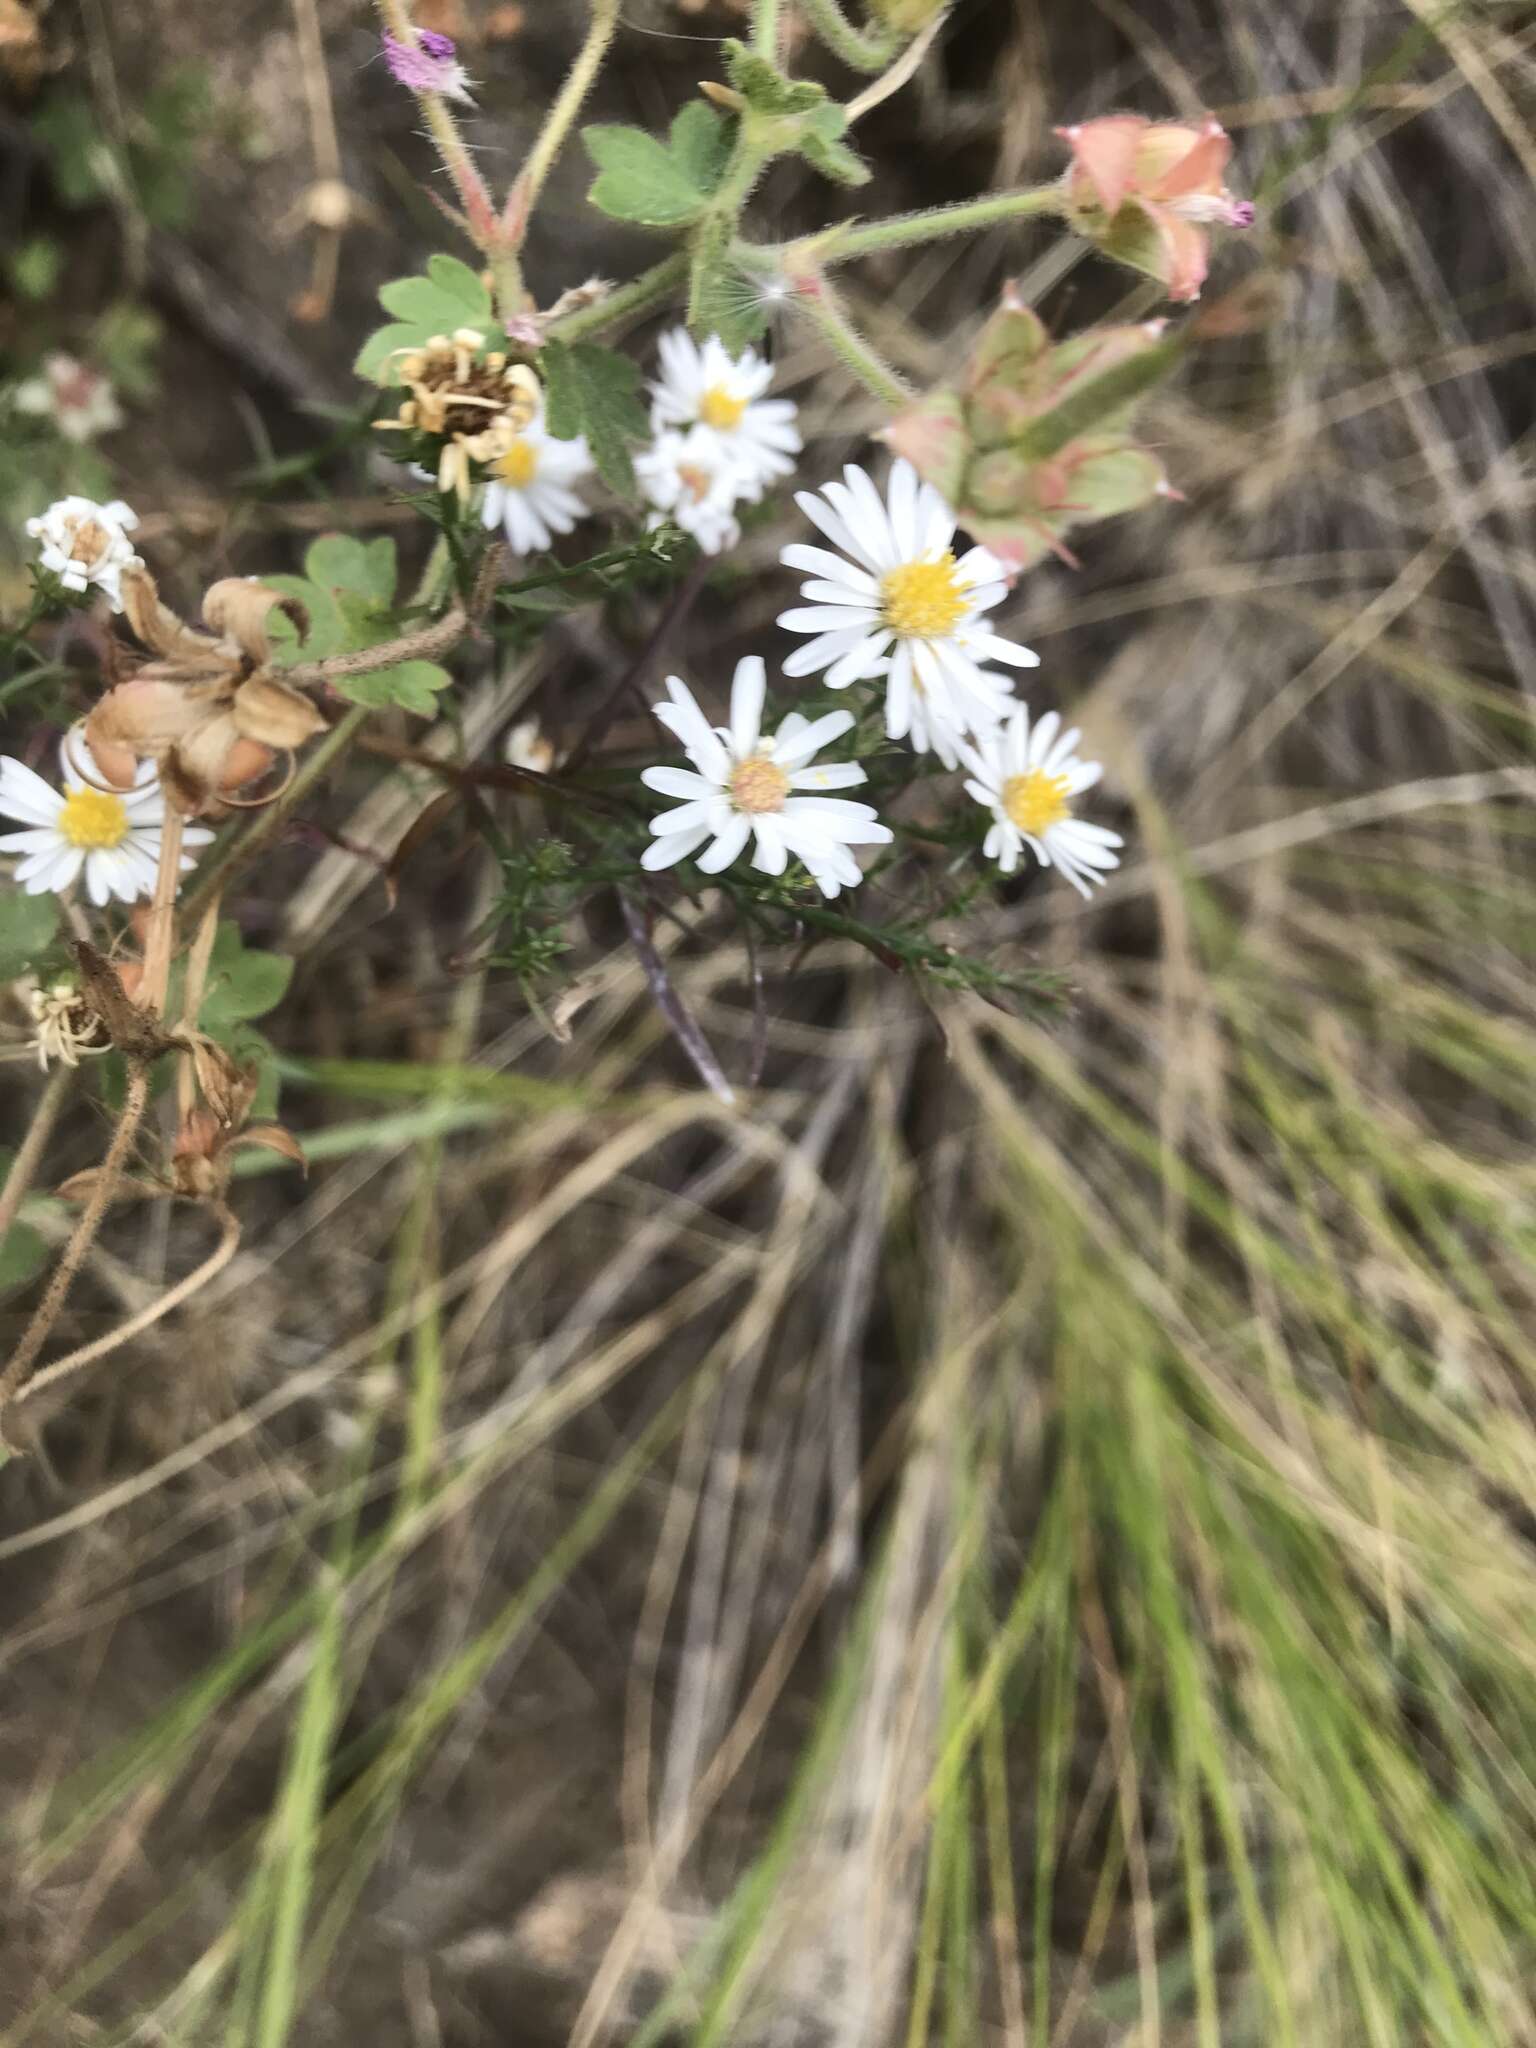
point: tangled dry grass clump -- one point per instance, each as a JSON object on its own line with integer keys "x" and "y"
{"x": 1014, "y": 1532}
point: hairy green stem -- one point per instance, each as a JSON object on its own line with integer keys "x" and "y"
{"x": 932, "y": 224}
{"x": 765, "y": 29}
{"x": 568, "y": 101}
{"x": 849, "y": 346}
{"x": 627, "y": 303}
{"x": 868, "y": 49}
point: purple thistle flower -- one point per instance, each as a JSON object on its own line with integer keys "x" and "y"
{"x": 431, "y": 65}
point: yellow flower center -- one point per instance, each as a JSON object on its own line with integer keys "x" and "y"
{"x": 520, "y": 465}
{"x": 94, "y": 817}
{"x": 718, "y": 409}
{"x": 1036, "y": 801}
{"x": 922, "y": 600}
{"x": 758, "y": 786}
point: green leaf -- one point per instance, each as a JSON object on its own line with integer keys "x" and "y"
{"x": 27, "y": 925}
{"x": 455, "y": 280}
{"x": 338, "y": 562}
{"x": 822, "y": 146}
{"x": 22, "y": 1254}
{"x": 450, "y": 295}
{"x": 700, "y": 141}
{"x": 373, "y": 358}
{"x": 413, "y": 685}
{"x": 242, "y": 983}
{"x": 35, "y": 267}
{"x": 658, "y": 184}
{"x": 592, "y": 391}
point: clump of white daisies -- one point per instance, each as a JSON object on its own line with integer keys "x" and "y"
{"x": 893, "y": 605}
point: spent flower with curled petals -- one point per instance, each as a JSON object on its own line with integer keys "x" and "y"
{"x": 690, "y": 479}
{"x": 473, "y": 404}
{"x": 67, "y": 1028}
{"x": 1146, "y": 191}
{"x": 1027, "y": 778}
{"x": 763, "y": 787}
{"x": 430, "y": 64}
{"x": 80, "y": 401}
{"x": 84, "y": 543}
{"x": 112, "y": 836}
{"x": 208, "y": 711}
{"x": 903, "y": 606}
{"x": 703, "y": 385}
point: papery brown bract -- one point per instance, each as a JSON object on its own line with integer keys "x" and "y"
{"x": 207, "y": 711}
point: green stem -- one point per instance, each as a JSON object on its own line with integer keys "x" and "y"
{"x": 863, "y": 49}
{"x": 850, "y": 347}
{"x": 765, "y": 29}
{"x": 906, "y": 230}
{"x": 557, "y": 123}
{"x": 628, "y": 303}
{"x": 712, "y": 240}
{"x": 241, "y": 846}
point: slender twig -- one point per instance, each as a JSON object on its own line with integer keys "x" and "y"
{"x": 83, "y": 1236}
{"x": 489, "y": 775}
{"x": 160, "y": 940}
{"x": 634, "y": 675}
{"x": 567, "y": 105}
{"x": 236, "y": 852}
{"x": 198, "y": 954}
{"x": 893, "y": 80}
{"x": 153, "y": 1312}
{"x": 29, "y": 1153}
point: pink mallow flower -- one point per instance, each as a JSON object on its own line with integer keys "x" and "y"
{"x": 1146, "y": 191}
{"x": 432, "y": 65}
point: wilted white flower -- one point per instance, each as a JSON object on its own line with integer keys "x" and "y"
{"x": 79, "y": 400}
{"x": 85, "y": 543}
{"x": 529, "y": 492}
{"x": 767, "y": 789}
{"x": 705, "y": 386}
{"x": 66, "y": 1027}
{"x": 526, "y": 747}
{"x": 689, "y": 478}
{"x": 113, "y": 835}
{"x": 1027, "y": 780}
{"x": 903, "y": 607}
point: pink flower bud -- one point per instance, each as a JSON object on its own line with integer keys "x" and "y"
{"x": 1144, "y": 190}
{"x": 432, "y": 65}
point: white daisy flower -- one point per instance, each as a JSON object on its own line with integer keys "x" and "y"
{"x": 113, "y": 835}
{"x": 902, "y": 607}
{"x": 767, "y": 789}
{"x": 79, "y": 400}
{"x": 689, "y": 478}
{"x": 529, "y": 492}
{"x": 706, "y": 386}
{"x": 86, "y": 543}
{"x": 1027, "y": 780}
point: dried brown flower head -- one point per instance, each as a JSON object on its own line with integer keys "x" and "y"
{"x": 208, "y": 710}
{"x": 474, "y": 404}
